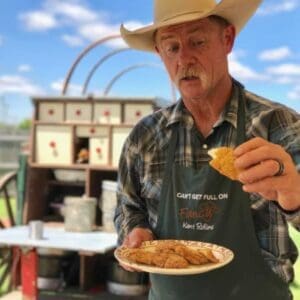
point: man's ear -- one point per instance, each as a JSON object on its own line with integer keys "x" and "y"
{"x": 229, "y": 37}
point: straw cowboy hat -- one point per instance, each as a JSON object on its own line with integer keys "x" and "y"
{"x": 171, "y": 12}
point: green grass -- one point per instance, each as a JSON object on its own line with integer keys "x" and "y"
{"x": 3, "y": 215}
{"x": 3, "y": 212}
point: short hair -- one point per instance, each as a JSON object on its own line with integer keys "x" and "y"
{"x": 220, "y": 20}
{"x": 214, "y": 18}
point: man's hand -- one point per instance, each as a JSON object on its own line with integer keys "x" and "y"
{"x": 135, "y": 238}
{"x": 257, "y": 161}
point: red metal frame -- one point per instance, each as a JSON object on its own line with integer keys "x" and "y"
{"x": 29, "y": 270}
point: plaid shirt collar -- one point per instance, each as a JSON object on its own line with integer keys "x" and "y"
{"x": 181, "y": 114}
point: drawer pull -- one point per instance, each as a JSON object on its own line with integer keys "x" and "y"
{"x": 106, "y": 113}
{"x": 92, "y": 130}
{"x": 138, "y": 113}
{"x": 52, "y": 144}
{"x": 78, "y": 112}
{"x": 50, "y": 111}
{"x": 98, "y": 150}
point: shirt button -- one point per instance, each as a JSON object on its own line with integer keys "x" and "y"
{"x": 204, "y": 146}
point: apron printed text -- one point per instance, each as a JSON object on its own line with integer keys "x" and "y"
{"x": 205, "y": 212}
{"x": 200, "y": 217}
{"x": 212, "y": 197}
{"x": 197, "y": 226}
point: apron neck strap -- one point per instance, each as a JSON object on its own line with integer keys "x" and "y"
{"x": 172, "y": 148}
{"x": 241, "y": 128}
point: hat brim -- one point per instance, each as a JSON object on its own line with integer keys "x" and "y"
{"x": 235, "y": 12}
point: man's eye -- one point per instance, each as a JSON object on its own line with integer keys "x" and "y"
{"x": 172, "y": 49}
{"x": 197, "y": 43}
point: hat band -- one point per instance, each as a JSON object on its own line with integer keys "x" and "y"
{"x": 182, "y": 14}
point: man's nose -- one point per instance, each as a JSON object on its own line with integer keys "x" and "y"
{"x": 186, "y": 56}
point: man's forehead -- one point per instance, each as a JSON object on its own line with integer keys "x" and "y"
{"x": 187, "y": 26}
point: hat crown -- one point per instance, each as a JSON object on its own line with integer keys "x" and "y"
{"x": 168, "y": 9}
{"x": 172, "y": 12}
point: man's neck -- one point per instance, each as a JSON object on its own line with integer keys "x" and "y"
{"x": 207, "y": 111}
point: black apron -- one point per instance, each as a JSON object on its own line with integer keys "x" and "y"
{"x": 202, "y": 205}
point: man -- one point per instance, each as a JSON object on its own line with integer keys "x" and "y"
{"x": 166, "y": 156}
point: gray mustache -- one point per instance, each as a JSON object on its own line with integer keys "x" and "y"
{"x": 188, "y": 72}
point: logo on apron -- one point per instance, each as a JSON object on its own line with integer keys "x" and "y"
{"x": 200, "y": 213}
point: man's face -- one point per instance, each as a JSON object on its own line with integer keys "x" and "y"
{"x": 195, "y": 55}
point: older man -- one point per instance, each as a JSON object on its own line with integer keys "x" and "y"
{"x": 166, "y": 155}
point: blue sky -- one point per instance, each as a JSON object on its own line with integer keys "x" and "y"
{"x": 40, "y": 40}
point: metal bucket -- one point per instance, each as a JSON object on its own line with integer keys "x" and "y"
{"x": 50, "y": 268}
{"x": 80, "y": 214}
{"x": 125, "y": 283}
{"x": 108, "y": 203}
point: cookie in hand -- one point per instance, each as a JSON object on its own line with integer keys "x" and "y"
{"x": 223, "y": 161}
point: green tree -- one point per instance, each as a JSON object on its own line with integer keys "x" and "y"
{"x": 25, "y": 124}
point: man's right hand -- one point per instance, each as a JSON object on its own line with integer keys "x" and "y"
{"x": 134, "y": 239}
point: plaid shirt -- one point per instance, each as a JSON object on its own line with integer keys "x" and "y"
{"x": 143, "y": 159}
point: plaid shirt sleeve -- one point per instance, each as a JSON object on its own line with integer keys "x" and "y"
{"x": 287, "y": 133}
{"x": 131, "y": 209}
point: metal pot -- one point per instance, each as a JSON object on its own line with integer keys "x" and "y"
{"x": 117, "y": 274}
{"x": 125, "y": 283}
{"x": 51, "y": 267}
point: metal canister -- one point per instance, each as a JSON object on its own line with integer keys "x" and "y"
{"x": 36, "y": 228}
{"x": 108, "y": 204}
{"x": 80, "y": 213}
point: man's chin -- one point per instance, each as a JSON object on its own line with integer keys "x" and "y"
{"x": 191, "y": 96}
{"x": 191, "y": 89}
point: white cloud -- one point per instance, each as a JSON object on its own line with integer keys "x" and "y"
{"x": 24, "y": 68}
{"x": 86, "y": 24}
{"x": 243, "y": 72}
{"x": 19, "y": 85}
{"x": 285, "y": 70}
{"x": 275, "y": 54}
{"x": 38, "y": 20}
{"x": 132, "y": 25}
{"x": 73, "y": 89}
{"x": 238, "y": 53}
{"x": 56, "y": 13}
{"x": 282, "y": 6}
{"x": 96, "y": 31}
{"x": 287, "y": 74}
{"x": 72, "y": 40}
{"x": 72, "y": 11}
{"x": 285, "y": 80}
{"x": 294, "y": 94}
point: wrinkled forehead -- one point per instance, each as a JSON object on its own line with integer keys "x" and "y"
{"x": 187, "y": 27}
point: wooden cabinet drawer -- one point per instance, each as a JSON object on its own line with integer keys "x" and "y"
{"x": 92, "y": 131}
{"x": 53, "y": 144}
{"x": 133, "y": 112}
{"x": 107, "y": 113}
{"x": 78, "y": 112}
{"x": 119, "y": 135}
{"x": 99, "y": 150}
{"x": 50, "y": 112}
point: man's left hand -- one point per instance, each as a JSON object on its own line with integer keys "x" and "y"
{"x": 258, "y": 162}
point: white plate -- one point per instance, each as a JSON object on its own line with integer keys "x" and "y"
{"x": 224, "y": 255}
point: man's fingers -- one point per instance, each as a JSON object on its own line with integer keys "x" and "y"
{"x": 267, "y": 168}
{"x": 248, "y": 146}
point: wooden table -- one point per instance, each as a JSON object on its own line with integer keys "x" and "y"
{"x": 54, "y": 237}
